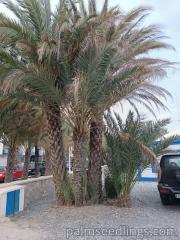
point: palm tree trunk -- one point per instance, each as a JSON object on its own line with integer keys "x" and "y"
{"x": 57, "y": 159}
{"x": 79, "y": 167}
{"x": 47, "y": 163}
{"x": 36, "y": 161}
{"x": 124, "y": 200}
{"x": 10, "y": 163}
{"x": 95, "y": 163}
{"x": 26, "y": 162}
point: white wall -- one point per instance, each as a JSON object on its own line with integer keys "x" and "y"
{"x": 3, "y": 160}
{"x": 174, "y": 147}
{"x": 1, "y": 148}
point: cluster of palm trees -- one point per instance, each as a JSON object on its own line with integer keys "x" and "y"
{"x": 20, "y": 127}
{"x": 72, "y": 65}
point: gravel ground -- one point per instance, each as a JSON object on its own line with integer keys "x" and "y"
{"x": 44, "y": 221}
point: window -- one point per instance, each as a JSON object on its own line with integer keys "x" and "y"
{"x": 5, "y": 151}
{"x": 17, "y": 167}
{"x": 172, "y": 162}
{"x": 2, "y": 169}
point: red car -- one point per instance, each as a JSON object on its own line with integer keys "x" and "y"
{"x": 17, "y": 173}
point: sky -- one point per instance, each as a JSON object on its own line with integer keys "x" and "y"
{"x": 167, "y": 14}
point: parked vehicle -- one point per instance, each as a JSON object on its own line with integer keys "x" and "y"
{"x": 42, "y": 167}
{"x": 17, "y": 172}
{"x": 2, "y": 174}
{"x": 169, "y": 178}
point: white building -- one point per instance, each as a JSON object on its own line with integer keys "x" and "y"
{"x": 20, "y": 155}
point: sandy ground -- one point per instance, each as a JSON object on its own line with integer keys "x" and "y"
{"x": 146, "y": 219}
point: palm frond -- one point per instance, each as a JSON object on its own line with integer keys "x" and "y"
{"x": 105, "y": 7}
{"x": 47, "y": 15}
{"x": 12, "y": 31}
{"x": 34, "y": 15}
{"x": 83, "y": 8}
{"x": 92, "y": 7}
{"x": 161, "y": 146}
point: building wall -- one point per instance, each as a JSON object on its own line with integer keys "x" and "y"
{"x": 3, "y": 160}
{"x": 174, "y": 147}
{"x": 1, "y": 148}
{"x": 20, "y": 154}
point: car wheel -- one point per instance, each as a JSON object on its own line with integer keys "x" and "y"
{"x": 165, "y": 199}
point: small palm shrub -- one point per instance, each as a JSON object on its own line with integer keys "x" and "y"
{"x": 129, "y": 146}
{"x": 123, "y": 164}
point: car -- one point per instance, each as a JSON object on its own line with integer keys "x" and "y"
{"x": 2, "y": 174}
{"x": 41, "y": 165}
{"x": 17, "y": 172}
{"x": 42, "y": 170}
{"x": 169, "y": 178}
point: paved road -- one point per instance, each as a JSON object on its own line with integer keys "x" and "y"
{"x": 147, "y": 219}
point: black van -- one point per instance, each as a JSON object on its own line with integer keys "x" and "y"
{"x": 169, "y": 178}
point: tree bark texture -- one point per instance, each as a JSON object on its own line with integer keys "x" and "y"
{"x": 10, "y": 163}
{"x": 57, "y": 159}
{"x": 79, "y": 168}
{"x": 95, "y": 163}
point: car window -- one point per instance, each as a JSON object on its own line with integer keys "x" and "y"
{"x": 32, "y": 159}
{"x": 2, "y": 169}
{"x": 17, "y": 167}
{"x": 172, "y": 162}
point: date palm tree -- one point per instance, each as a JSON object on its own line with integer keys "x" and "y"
{"x": 28, "y": 147}
{"x": 128, "y": 77}
{"x": 130, "y": 145}
{"x": 36, "y": 132}
{"x": 114, "y": 65}
{"x": 17, "y": 125}
{"x": 33, "y": 34}
{"x": 9, "y": 137}
{"x": 46, "y": 44}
